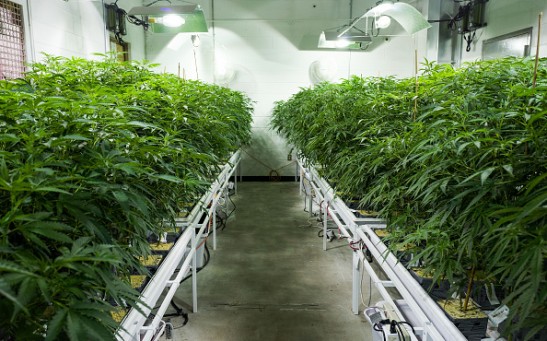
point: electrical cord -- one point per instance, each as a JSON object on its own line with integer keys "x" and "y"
{"x": 411, "y": 326}
{"x": 377, "y": 327}
{"x": 198, "y": 269}
{"x": 369, "y": 280}
{"x": 224, "y": 222}
{"x": 274, "y": 172}
{"x": 469, "y": 39}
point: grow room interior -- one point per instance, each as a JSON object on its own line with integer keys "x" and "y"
{"x": 273, "y": 170}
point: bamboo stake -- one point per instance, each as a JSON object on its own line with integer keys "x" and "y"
{"x": 416, "y": 78}
{"x": 469, "y": 287}
{"x": 537, "y": 50}
{"x": 196, "y": 64}
{"x": 178, "y": 70}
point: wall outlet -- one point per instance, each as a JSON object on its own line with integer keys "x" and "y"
{"x": 289, "y": 157}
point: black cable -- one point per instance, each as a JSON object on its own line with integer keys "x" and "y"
{"x": 178, "y": 312}
{"x": 207, "y": 259}
{"x": 380, "y": 329}
{"x": 372, "y": 28}
{"x": 462, "y": 13}
{"x": 411, "y": 326}
{"x": 400, "y": 331}
{"x": 233, "y": 210}
{"x": 369, "y": 290}
{"x": 469, "y": 39}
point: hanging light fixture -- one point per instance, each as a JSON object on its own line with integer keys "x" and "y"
{"x": 335, "y": 40}
{"x": 410, "y": 19}
{"x": 329, "y": 39}
{"x": 172, "y": 19}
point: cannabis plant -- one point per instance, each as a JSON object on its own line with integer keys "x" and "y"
{"x": 455, "y": 161}
{"x": 94, "y": 157}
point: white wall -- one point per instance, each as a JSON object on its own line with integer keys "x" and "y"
{"x": 506, "y": 16}
{"x": 270, "y": 45}
{"x": 75, "y": 28}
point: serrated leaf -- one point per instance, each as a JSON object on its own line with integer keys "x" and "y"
{"x": 12, "y": 267}
{"x": 56, "y": 325}
{"x": 8, "y": 293}
{"x": 52, "y": 234}
{"x": 26, "y": 294}
{"x": 37, "y": 216}
{"x": 74, "y": 327}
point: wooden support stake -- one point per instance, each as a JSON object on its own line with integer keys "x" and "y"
{"x": 196, "y": 64}
{"x": 178, "y": 70}
{"x": 537, "y": 50}
{"x": 416, "y": 78}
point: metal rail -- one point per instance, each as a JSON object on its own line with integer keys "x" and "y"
{"x": 144, "y": 325}
{"x": 429, "y": 320}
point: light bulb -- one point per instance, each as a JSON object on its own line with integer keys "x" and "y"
{"x": 382, "y": 21}
{"x": 173, "y": 20}
{"x": 341, "y": 43}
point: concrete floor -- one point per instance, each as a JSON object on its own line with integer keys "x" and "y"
{"x": 269, "y": 278}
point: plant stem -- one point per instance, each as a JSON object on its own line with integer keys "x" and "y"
{"x": 469, "y": 287}
{"x": 537, "y": 50}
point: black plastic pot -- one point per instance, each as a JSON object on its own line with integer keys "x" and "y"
{"x": 438, "y": 291}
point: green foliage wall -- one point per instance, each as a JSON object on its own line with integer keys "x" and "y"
{"x": 94, "y": 155}
{"x": 456, "y": 162}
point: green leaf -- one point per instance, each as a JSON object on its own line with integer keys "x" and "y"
{"x": 166, "y": 177}
{"x": 120, "y": 196}
{"x": 74, "y": 327}
{"x": 486, "y": 173}
{"x": 51, "y": 189}
{"x": 8, "y": 293}
{"x": 75, "y": 137}
{"x": 56, "y": 325}
{"x": 9, "y": 138}
{"x": 51, "y": 230}
{"x": 8, "y": 266}
{"x": 532, "y": 184}
{"x": 508, "y": 169}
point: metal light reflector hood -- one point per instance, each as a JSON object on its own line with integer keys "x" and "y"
{"x": 333, "y": 40}
{"x": 407, "y": 16}
{"x": 194, "y": 19}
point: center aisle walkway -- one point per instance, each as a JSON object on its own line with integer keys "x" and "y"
{"x": 269, "y": 278}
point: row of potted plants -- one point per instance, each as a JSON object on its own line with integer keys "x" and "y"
{"x": 94, "y": 156}
{"x": 455, "y": 160}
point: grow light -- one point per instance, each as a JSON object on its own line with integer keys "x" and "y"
{"x": 172, "y": 19}
{"x": 346, "y": 40}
